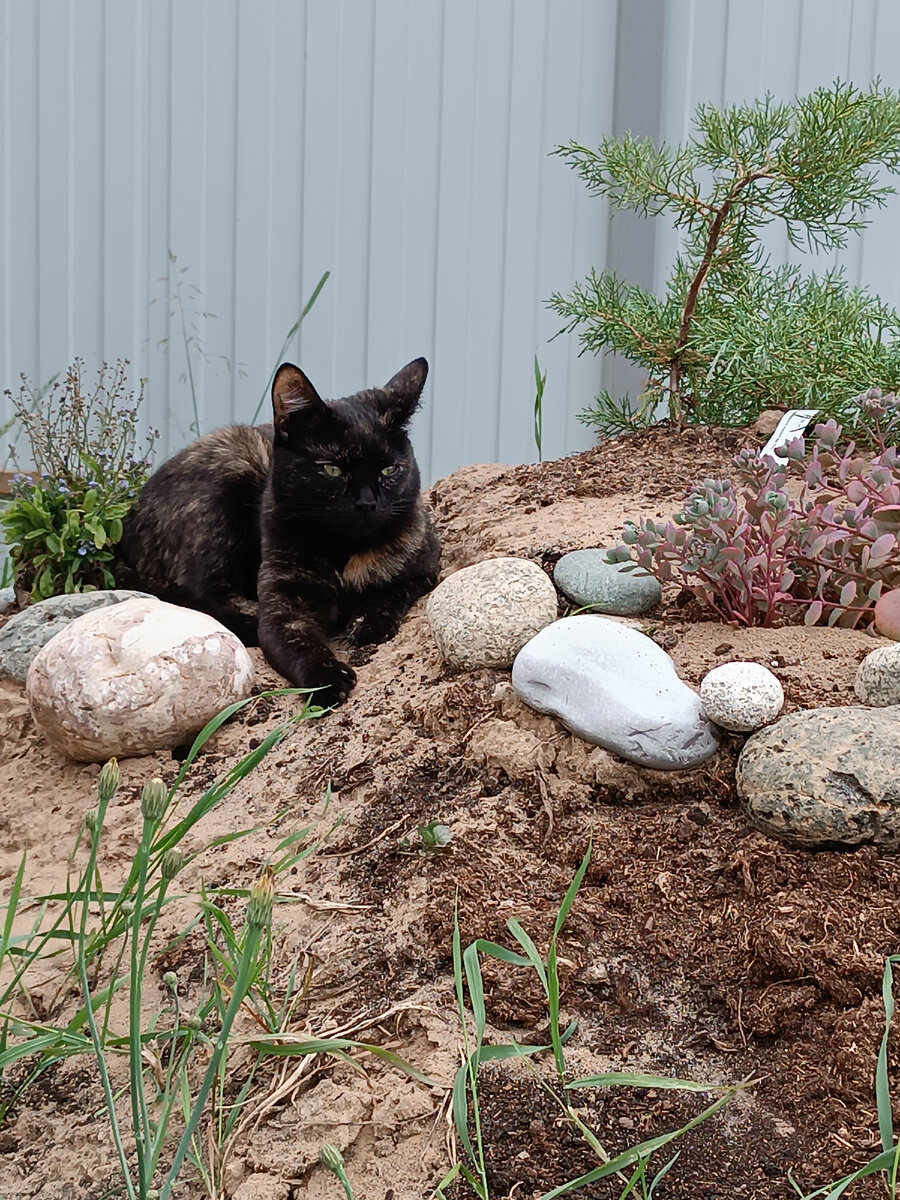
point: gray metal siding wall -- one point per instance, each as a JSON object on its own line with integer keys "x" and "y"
{"x": 402, "y": 145}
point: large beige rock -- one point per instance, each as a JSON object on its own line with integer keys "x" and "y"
{"x": 137, "y": 677}
{"x": 483, "y": 615}
{"x": 826, "y": 777}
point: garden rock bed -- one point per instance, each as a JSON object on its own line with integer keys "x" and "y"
{"x": 698, "y": 946}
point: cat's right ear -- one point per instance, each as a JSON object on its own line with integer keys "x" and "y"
{"x": 293, "y": 395}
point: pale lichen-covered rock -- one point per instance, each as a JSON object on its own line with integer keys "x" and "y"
{"x": 137, "y": 677}
{"x": 741, "y": 696}
{"x": 483, "y": 615}
{"x": 878, "y": 677}
{"x": 825, "y": 777}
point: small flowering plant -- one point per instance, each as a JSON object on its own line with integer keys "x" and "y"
{"x": 815, "y": 535}
{"x": 66, "y": 516}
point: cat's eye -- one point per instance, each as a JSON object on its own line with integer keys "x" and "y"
{"x": 391, "y": 470}
{"x": 331, "y": 469}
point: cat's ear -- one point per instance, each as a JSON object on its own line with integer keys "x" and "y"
{"x": 293, "y": 395}
{"x": 403, "y": 392}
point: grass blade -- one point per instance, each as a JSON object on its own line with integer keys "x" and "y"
{"x": 628, "y": 1158}
{"x": 882, "y": 1086}
{"x": 307, "y": 308}
{"x": 636, "y": 1079}
{"x": 571, "y": 893}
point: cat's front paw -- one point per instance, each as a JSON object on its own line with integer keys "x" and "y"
{"x": 334, "y": 679}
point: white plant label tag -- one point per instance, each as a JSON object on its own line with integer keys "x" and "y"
{"x": 792, "y": 425}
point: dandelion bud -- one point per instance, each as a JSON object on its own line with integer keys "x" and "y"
{"x": 193, "y": 1022}
{"x": 92, "y": 820}
{"x": 170, "y": 979}
{"x": 331, "y": 1157}
{"x": 259, "y": 910}
{"x": 127, "y": 908}
{"x": 171, "y": 863}
{"x": 108, "y": 781}
{"x": 153, "y": 800}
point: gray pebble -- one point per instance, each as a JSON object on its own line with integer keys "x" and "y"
{"x": 586, "y": 578}
{"x": 24, "y": 634}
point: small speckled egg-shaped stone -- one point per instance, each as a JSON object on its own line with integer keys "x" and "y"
{"x": 877, "y": 680}
{"x": 741, "y": 696}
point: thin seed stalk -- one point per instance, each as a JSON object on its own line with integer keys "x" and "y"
{"x": 139, "y": 1114}
{"x": 108, "y": 1096}
{"x": 241, "y": 986}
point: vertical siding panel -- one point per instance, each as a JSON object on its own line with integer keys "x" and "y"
{"x": 87, "y": 195}
{"x": 590, "y": 232}
{"x": 417, "y": 249}
{"x": 526, "y": 166}
{"x": 253, "y": 192}
{"x": 287, "y": 71}
{"x": 574, "y": 225}
{"x": 223, "y": 393}
{"x": 485, "y": 237}
{"x": 53, "y": 183}
{"x": 6, "y": 278}
{"x": 353, "y": 195}
{"x": 451, "y": 350}
{"x": 158, "y": 98}
{"x": 188, "y": 297}
{"x": 320, "y": 187}
{"x": 122, "y": 200}
{"x": 879, "y": 265}
{"x": 22, "y": 192}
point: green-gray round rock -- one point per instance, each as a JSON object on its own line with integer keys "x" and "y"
{"x": 586, "y": 578}
{"x": 27, "y": 632}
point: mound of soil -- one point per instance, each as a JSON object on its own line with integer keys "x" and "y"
{"x": 696, "y": 947}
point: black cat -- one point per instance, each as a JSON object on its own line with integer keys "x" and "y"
{"x": 292, "y": 534}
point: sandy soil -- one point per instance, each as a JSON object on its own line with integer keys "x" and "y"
{"x": 697, "y": 946}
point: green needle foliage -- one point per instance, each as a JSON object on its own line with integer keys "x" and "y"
{"x": 733, "y": 333}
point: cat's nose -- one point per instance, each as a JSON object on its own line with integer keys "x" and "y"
{"x": 365, "y": 501}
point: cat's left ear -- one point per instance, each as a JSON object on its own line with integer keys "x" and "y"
{"x": 404, "y": 391}
{"x": 292, "y": 394}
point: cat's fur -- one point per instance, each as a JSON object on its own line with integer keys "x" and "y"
{"x": 296, "y": 533}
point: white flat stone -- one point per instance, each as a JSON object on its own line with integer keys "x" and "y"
{"x": 615, "y": 687}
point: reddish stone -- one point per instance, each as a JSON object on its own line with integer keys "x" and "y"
{"x": 887, "y": 615}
